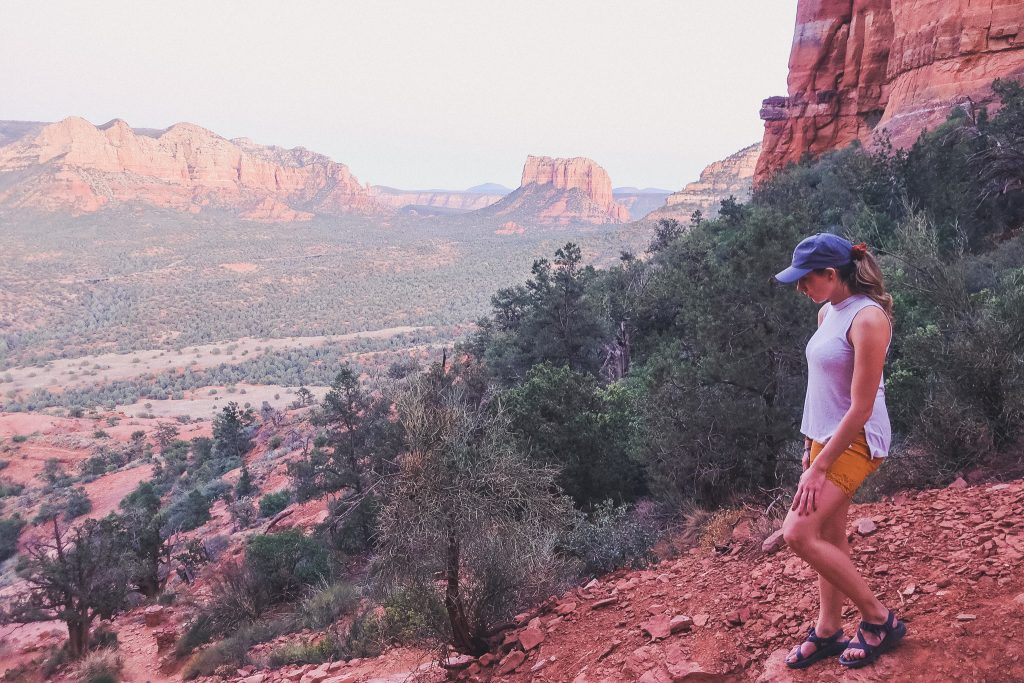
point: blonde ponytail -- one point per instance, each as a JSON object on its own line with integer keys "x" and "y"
{"x": 863, "y": 276}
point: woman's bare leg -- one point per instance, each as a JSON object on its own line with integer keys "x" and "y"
{"x": 830, "y": 609}
{"x": 807, "y": 536}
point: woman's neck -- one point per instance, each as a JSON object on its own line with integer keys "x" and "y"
{"x": 840, "y": 295}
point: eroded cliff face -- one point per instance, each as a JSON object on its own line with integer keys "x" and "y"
{"x": 732, "y": 176}
{"x": 561, "y": 191}
{"x": 454, "y": 200}
{"x": 78, "y": 167}
{"x": 860, "y": 69}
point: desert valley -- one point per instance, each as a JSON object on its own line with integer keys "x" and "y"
{"x": 262, "y": 420}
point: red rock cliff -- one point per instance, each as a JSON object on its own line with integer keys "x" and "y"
{"x": 560, "y": 191}
{"x": 75, "y": 166}
{"x": 861, "y": 67}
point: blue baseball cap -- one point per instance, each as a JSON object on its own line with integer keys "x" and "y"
{"x": 823, "y": 250}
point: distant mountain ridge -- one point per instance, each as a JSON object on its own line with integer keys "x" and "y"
{"x": 77, "y": 167}
{"x": 456, "y": 201}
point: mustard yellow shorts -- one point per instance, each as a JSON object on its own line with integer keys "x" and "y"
{"x": 852, "y": 466}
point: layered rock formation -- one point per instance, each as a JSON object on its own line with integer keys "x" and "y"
{"x": 453, "y": 200}
{"x": 77, "y": 167}
{"x": 559, "y": 192}
{"x": 864, "y": 67}
{"x": 732, "y": 176}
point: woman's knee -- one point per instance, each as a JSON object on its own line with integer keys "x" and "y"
{"x": 797, "y": 533}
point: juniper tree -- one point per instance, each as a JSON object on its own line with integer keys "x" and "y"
{"x": 467, "y": 506}
{"x": 74, "y": 576}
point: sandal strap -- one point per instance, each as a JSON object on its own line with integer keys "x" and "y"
{"x": 812, "y": 636}
{"x": 879, "y": 629}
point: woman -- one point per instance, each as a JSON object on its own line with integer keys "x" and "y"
{"x": 846, "y": 437}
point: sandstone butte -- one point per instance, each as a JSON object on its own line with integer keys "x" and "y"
{"x": 732, "y": 176}
{"x": 859, "y": 68}
{"x": 77, "y": 167}
{"x": 561, "y": 191}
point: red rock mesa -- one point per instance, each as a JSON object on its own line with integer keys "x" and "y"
{"x": 78, "y": 167}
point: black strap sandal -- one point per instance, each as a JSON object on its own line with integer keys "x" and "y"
{"x": 891, "y": 636}
{"x": 824, "y": 648}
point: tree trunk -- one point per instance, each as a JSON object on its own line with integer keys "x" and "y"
{"x": 462, "y": 636}
{"x": 78, "y": 635}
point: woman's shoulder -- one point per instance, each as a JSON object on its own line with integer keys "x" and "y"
{"x": 871, "y": 320}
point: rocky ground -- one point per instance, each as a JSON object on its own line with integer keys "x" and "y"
{"x": 948, "y": 561}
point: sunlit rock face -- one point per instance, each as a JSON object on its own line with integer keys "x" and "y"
{"x": 732, "y": 176}
{"x": 77, "y": 167}
{"x": 860, "y": 69}
{"x": 561, "y": 191}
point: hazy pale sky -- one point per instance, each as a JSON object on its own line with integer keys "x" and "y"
{"x": 416, "y": 93}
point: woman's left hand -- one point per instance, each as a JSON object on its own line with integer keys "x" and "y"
{"x": 806, "y": 499}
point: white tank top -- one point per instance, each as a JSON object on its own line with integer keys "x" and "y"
{"x": 830, "y": 376}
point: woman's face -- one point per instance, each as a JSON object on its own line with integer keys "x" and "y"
{"x": 818, "y": 286}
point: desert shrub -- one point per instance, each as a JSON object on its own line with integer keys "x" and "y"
{"x": 717, "y": 529}
{"x": 612, "y": 537}
{"x": 233, "y": 650}
{"x": 188, "y": 511}
{"x": 19, "y": 438}
{"x": 243, "y": 513}
{"x": 52, "y": 661}
{"x": 10, "y": 488}
{"x": 235, "y": 599}
{"x": 10, "y": 529}
{"x": 325, "y": 603}
{"x": 325, "y": 649}
{"x": 275, "y": 442}
{"x": 54, "y": 476}
{"x": 76, "y": 503}
{"x": 273, "y": 503}
{"x": 408, "y": 617}
{"x": 100, "y": 666}
{"x": 284, "y": 564}
{"x": 216, "y": 490}
{"x": 366, "y": 636}
{"x": 954, "y": 397}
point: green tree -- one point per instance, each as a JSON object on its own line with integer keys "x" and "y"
{"x": 565, "y": 420}
{"x": 231, "y": 431}
{"x": 74, "y": 576}
{"x": 555, "y": 317}
{"x": 140, "y": 525}
{"x": 244, "y": 487}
